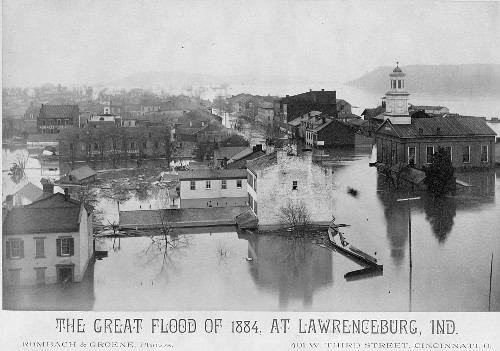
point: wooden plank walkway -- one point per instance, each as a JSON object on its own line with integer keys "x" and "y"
{"x": 181, "y": 218}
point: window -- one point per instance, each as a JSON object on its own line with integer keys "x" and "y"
{"x": 447, "y": 149}
{"x": 96, "y": 147}
{"x": 156, "y": 144}
{"x": 150, "y": 134}
{"x": 250, "y": 201}
{"x": 255, "y": 206}
{"x": 399, "y": 84}
{"x": 430, "y": 154}
{"x": 465, "y": 154}
{"x": 14, "y": 248}
{"x": 192, "y": 185}
{"x": 484, "y": 153}
{"x": 65, "y": 246}
{"x": 411, "y": 155}
{"x": 224, "y": 184}
{"x": 70, "y": 147}
{"x": 132, "y": 145}
{"x": 114, "y": 144}
{"x": 208, "y": 185}
{"x": 39, "y": 247}
{"x": 40, "y": 275}
{"x": 238, "y": 183}
{"x": 294, "y": 185}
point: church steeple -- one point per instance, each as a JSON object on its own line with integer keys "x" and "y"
{"x": 396, "y": 108}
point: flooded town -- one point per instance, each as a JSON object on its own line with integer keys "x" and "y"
{"x": 188, "y": 193}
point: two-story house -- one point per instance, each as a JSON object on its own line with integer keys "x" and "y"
{"x": 213, "y": 188}
{"x": 48, "y": 241}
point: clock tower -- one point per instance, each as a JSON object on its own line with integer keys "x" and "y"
{"x": 396, "y": 107}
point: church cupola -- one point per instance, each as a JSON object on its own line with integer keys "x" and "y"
{"x": 396, "y": 107}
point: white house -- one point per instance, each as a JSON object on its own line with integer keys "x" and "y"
{"x": 283, "y": 176}
{"x": 213, "y": 188}
{"x": 49, "y": 241}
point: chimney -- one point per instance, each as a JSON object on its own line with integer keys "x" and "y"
{"x": 322, "y": 89}
{"x": 9, "y": 202}
{"x": 257, "y": 147}
{"x": 310, "y": 90}
{"x": 48, "y": 188}
{"x": 288, "y": 96}
{"x": 66, "y": 193}
{"x": 420, "y": 131}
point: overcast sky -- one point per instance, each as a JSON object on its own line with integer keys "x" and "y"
{"x": 74, "y": 42}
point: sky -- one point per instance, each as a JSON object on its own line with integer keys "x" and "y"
{"x": 86, "y": 41}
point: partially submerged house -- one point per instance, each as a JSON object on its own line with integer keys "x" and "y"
{"x": 81, "y": 175}
{"x": 48, "y": 241}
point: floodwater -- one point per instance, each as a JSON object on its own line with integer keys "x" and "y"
{"x": 453, "y": 241}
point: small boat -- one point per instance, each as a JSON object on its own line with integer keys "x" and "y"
{"x": 352, "y": 251}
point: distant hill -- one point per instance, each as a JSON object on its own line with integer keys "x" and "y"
{"x": 473, "y": 79}
{"x": 178, "y": 79}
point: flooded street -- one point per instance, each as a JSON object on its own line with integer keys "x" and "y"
{"x": 217, "y": 269}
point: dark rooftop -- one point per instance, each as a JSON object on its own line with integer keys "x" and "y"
{"x": 59, "y": 111}
{"x": 32, "y": 220}
{"x": 447, "y": 126}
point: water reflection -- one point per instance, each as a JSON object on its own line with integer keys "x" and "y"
{"x": 440, "y": 213}
{"x": 396, "y": 216}
{"x": 164, "y": 252}
{"x": 295, "y": 268}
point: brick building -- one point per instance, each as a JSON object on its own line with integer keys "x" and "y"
{"x": 109, "y": 142}
{"x": 283, "y": 176}
{"x": 295, "y": 106}
{"x": 469, "y": 141}
{"x": 53, "y": 118}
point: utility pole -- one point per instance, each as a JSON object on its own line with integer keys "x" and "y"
{"x": 408, "y": 199}
{"x": 491, "y": 276}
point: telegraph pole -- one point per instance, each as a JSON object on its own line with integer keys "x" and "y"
{"x": 408, "y": 199}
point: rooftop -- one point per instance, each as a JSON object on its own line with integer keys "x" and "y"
{"x": 441, "y": 126}
{"x": 263, "y": 162}
{"x": 30, "y": 191}
{"x": 208, "y": 174}
{"x": 82, "y": 173}
{"x": 33, "y": 220}
{"x": 59, "y": 111}
{"x": 228, "y": 152}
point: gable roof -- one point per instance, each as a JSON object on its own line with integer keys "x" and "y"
{"x": 30, "y": 191}
{"x": 32, "y": 220}
{"x": 228, "y": 152}
{"x": 82, "y": 172}
{"x": 419, "y": 107}
{"x": 263, "y": 162}
{"x": 58, "y": 200}
{"x": 242, "y": 162}
{"x": 59, "y": 111}
{"x": 447, "y": 126}
{"x": 208, "y": 174}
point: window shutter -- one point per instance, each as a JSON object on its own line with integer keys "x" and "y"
{"x": 7, "y": 249}
{"x": 71, "y": 246}
{"x": 58, "y": 247}
{"x": 21, "y": 249}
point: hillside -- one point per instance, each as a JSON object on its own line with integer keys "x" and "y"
{"x": 178, "y": 79}
{"x": 474, "y": 79}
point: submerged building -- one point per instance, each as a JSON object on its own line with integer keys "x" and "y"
{"x": 469, "y": 141}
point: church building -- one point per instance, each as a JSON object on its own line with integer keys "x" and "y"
{"x": 469, "y": 141}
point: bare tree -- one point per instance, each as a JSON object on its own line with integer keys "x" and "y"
{"x": 295, "y": 215}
